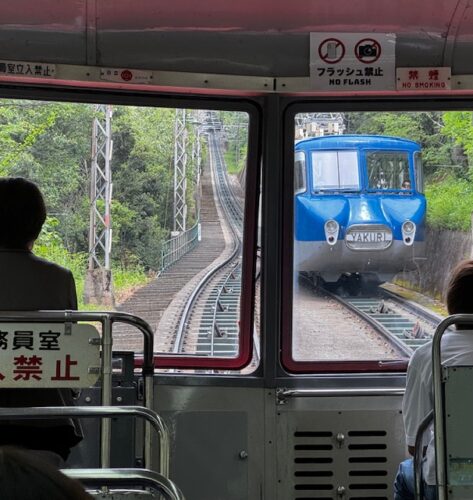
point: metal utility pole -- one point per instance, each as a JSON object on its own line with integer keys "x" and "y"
{"x": 198, "y": 120}
{"x": 180, "y": 182}
{"x": 98, "y": 287}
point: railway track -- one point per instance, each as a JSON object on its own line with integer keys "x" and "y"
{"x": 155, "y": 301}
{"x": 403, "y": 323}
{"x": 194, "y": 306}
{"x": 208, "y": 323}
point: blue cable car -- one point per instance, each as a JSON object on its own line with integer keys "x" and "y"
{"x": 359, "y": 208}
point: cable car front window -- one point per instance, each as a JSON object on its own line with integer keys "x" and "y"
{"x": 388, "y": 170}
{"x": 335, "y": 170}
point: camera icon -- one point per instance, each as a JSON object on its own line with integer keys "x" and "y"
{"x": 367, "y": 51}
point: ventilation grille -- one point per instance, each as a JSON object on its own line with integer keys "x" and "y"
{"x": 327, "y": 464}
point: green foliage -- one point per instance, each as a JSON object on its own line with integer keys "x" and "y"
{"x": 236, "y": 144}
{"x": 450, "y": 203}
{"x": 450, "y": 192}
{"x": 459, "y": 128}
{"x": 49, "y": 143}
{"x": 458, "y": 125}
{"x": 235, "y": 159}
{"x": 447, "y": 146}
{"x": 20, "y": 131}
{"x": 49, "y": 246}
{"x": 143, "y": 182}
{"x": 426, "y": 128}
{"x": 124, "y": 278}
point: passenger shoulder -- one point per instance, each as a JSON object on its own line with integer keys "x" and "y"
{"x": 421, "y": 354}
{"x": 49, "y": 266}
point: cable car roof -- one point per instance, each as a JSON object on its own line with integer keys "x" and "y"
{"x": 263, "y": 38}
{"x": 357, "y": 141}
{"x": 264, "y": 16}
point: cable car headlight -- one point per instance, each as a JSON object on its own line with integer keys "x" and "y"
{"x": 331, "y": 231}
{"x": 408, "y": 232}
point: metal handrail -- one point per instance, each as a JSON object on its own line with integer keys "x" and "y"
{"x": 177, "y": 246}
{"x": 439, "y": 420}
{"x": 283, "y": 394}
{"x": 106, "y": 319}
{"x": 126, "y": 478}
{"x": 49, "y": 412}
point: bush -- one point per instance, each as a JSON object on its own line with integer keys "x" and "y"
{"x": 129, "y": 277}
{"x": 50, "y": 247}
{"x": 449, "y": 203}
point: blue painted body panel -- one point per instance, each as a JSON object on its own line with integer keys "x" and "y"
{"x": 313, "y": 211}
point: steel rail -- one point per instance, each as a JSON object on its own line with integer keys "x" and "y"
{"x": 222, "y": 185}
{"x": 409, "y": 306}
{"x": 378, "y": 327}
{"x": 234, "y": 214}
{"x": 412, "y": 307}
{"x": 402, "y": 346}
{"x": 230, "y": 203}
{"x": 220, "y": 289}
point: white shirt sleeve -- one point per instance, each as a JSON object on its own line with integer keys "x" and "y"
{"x": 417, "y": 400}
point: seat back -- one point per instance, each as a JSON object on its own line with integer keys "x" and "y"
{"x": 453, "y": 417}
{"x": 457, "y": 409}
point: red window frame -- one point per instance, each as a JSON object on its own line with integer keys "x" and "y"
{"x": 287, "y": 278}
{"x": 247, "y": 298}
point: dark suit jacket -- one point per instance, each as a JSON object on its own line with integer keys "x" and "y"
{"x": 29, "y": 283}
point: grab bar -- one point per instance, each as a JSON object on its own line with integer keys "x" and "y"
{"x": 126, "y": 478}
{"x": 150, "y": 416}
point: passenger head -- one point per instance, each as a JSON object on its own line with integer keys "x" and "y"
{"x": 406, "y": 184}
{"x": 25, "y": 477}
{"x": 460, "y": 290}
{"x": 22, "y": 212}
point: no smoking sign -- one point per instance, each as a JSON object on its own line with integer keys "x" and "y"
{"x": 352, "y": 61}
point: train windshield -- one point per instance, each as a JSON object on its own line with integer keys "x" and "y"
{"x": 335, "y": 170}
{"x": 388, "y": 170}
